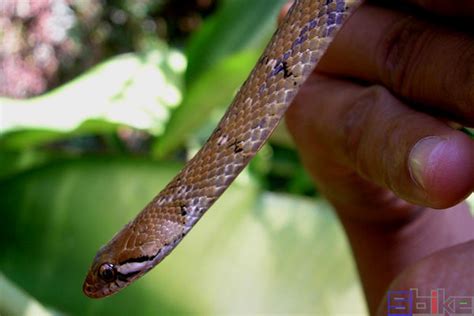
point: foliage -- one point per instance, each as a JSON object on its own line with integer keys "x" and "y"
{"x": 79, "y": 161}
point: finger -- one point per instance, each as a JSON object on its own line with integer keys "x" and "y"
{"x": 418, "y": 60}
{"x": 449, "y": 269}
{"x": 447, "y": 7}
{"x": 461, "y": 8}
{"x": 367, "y": 129}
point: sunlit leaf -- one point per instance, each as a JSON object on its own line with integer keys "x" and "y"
{"x": 133, "y": 89}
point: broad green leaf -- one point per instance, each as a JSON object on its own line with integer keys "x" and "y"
{"x": 237, "y": 26}
{"x": 220, "y": 57}
{"x": 55, "y": 218}
{"x": 13, "y": 162}
{"x": 252, "y": 253}
{"x": 132, "y": 89}
{"x": 215, "y": 89}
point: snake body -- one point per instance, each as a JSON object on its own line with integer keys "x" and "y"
{"x": 290, "y": 57}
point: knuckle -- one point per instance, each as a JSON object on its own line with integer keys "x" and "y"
{"x": 373, "y": 126}
{"x": 401, "y": 52}
{"x": 432, "y": 64}
{"x": 357, "y": 124}
{"x": 462, "y": 72}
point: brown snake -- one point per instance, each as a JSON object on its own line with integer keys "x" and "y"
{"x": 292, "y": 54}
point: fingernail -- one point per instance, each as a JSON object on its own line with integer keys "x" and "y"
{"x": 422, "y": 156}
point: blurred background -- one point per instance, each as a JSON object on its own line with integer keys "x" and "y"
{"x": 101, "y": 103}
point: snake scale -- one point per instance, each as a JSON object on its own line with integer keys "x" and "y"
{"x": 290, "y": 57}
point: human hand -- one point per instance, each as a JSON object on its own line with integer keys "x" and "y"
{"x": 374, "y": 127}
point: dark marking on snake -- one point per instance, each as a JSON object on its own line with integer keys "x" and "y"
{"x": 303, "y": 36}
{"x": 282, "y": 66}
{"x": 183, "y": 210}
{"x": 140, "y": 259}
{"x": 286, "y": 72}
{"x": 263, "y": 60}
{"x": 237, "y": 146}
{"x": 124, "y": 277}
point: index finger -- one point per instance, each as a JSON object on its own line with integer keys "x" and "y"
{"x": 447, "y": 7}
{"x": 417, "y": 59}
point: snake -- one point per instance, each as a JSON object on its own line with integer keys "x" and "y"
{"x": 290, "y": 57}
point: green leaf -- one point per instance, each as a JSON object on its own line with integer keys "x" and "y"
{"x": 132, "y": 89}
{"x": 15, "y": 302}
{"x": 238, "y": 25}
{"x": 13, "y": 162}
{"x": 215, "y": 89}
{"x": 252, "y": 253}
{"x": 220, "y": 57}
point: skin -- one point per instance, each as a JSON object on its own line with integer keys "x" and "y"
{"x": 377, "y": 129}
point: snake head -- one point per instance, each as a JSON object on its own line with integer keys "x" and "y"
{"x": 103, "y": 278}
{"x": 116, "y": 266}
{"x": 107, "y": 275}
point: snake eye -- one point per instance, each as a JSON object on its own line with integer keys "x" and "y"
{"x": 107, "y": 272}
